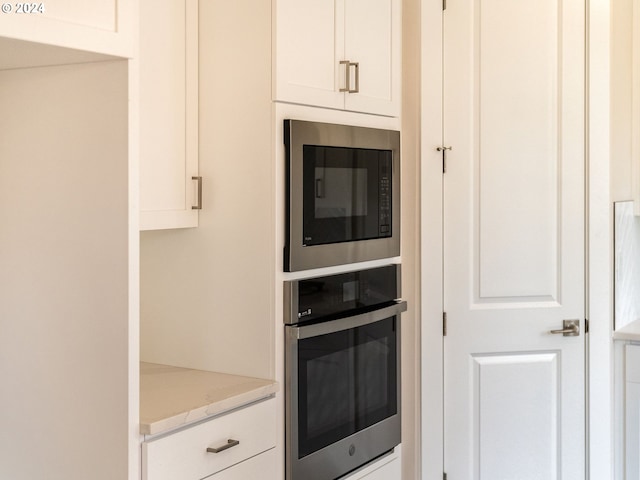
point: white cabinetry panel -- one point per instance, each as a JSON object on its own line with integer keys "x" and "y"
{"x": 65, "y": 276}
{"x": 168, "y": 87}
{"x": 313, "y": 38}
{"x": 371, "y": 40}
{"x": 184, "y": 454}
{"x": 310, "y": 45}
{"x": 101, "y": 26}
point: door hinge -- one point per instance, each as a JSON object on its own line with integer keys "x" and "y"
{"x": 586, "y": 325}
{"x": 444, "y": 157}
{"x": 444, "y": 325}
{"x": 444, "y": 7}
{"x": 444, "y": 475}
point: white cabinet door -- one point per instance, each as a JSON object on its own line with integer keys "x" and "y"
{"x": 632, "y": 413}
{"x": 372, "y": 39}
{"x": 101, "y": 26}
{"x": 309, "y": 48}
{"x": 168, "y": 93}
{"x": 315, "y": 39}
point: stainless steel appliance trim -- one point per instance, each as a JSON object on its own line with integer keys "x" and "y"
{"x": 315, "y": 466}
{"x": 347, "y": 323}
{"x": 378, "y": 439}
{"x": 314, "y": 133}
{"x": 291, "y": 300}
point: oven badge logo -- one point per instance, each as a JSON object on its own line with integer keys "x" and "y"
{"x": 305, "y": 313}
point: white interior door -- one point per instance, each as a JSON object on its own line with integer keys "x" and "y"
{"x": 514, "y": 239}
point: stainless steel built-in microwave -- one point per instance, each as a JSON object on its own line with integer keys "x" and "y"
{"x": 343, "y": 194}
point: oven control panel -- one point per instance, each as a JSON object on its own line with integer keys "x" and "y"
{"x": 333, "y": 296}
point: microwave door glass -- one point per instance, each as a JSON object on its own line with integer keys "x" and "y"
{"x": 341, "y": 201}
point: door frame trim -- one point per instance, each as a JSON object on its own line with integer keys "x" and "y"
{"x": 599, "y": 261}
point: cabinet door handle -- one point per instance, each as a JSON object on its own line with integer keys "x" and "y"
{"x": 230, "y": 443}
{"x": 347, "y": 76}
{"x": 356, "y": 66}
{"x": 199, "y": 205}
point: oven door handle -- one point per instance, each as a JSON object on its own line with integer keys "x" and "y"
{"x": 314, "y": 330}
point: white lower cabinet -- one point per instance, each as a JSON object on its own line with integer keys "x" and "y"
{"x": 632, "y": 412}
{"x": 190, "y": 454}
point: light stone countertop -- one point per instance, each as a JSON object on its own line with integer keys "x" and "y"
{"x": 172, "y": 397}
{"x": 631, "y": 331}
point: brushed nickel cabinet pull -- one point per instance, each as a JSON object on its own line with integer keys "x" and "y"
{"x": 347, "y": 75}
{"x": 199, "y": 205}
{"x": 230, "y": 443}
{"x": 356, "y": 66}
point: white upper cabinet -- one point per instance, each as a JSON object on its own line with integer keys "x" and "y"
{"x": 100, "y": 26}
{"x": 170, "y": 188}
{"x": 342, "y": 54}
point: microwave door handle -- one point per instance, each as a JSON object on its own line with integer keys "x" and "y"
{"x": 319, "y": 188}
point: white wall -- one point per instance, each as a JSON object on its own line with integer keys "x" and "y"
{"x": 621, "y": 19}
{"x": 64, "y": 273}
{"x": 410, "y": 176}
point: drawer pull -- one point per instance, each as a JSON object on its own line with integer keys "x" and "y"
{"x": 230, "y": 443}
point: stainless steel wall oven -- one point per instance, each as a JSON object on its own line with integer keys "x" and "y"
{"x": 342, "y": 360}
{"x": 343, "y": 194}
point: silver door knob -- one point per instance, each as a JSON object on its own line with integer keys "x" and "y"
{"x": 571, "y": 328}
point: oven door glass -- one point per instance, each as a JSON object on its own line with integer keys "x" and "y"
{"x": 347, "y": 381}
{"x": 346, "y": 194}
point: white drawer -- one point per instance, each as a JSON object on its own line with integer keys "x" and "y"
{"x": 183, "y": 455}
